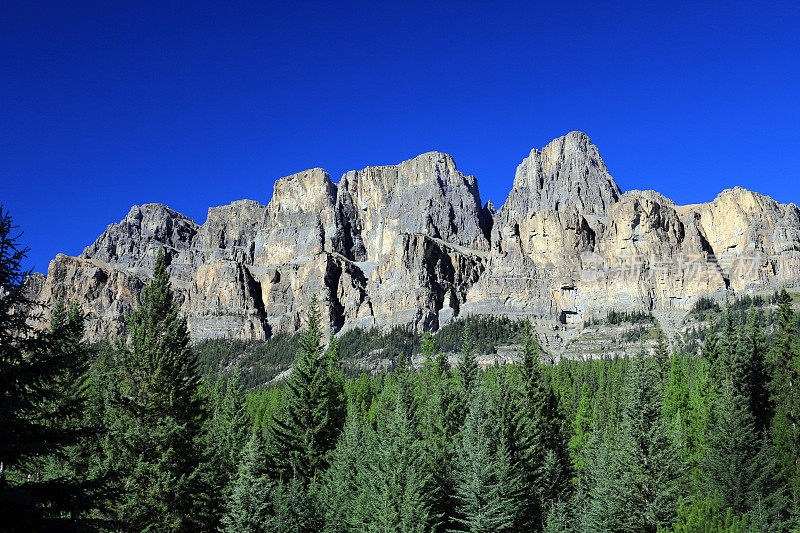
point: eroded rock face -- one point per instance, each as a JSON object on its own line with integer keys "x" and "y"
{"x": 412, "y": 244}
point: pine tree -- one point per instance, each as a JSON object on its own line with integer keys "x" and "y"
{"x": 156, "y": 418}
{"x": 581, "y": 432}
{"x": 309, "y": 427}
{"x": 550, "y": 465}
{"x": 68, "y": 407}
{"x": 661, "y": 354}
{"x": 467, "y": 368}
{"x": 784, "y": 361}
{"x": 484, "y": 470}
{"x": 645, "y": 480}
{"x": 440, "y": 425}
{"x": 38, "y": 415}
{"x": 250, "y": 505}
{"x": 228, "y": 428}
{"x": 740, "y": 466}
{"x": 706, "y": 513}
{"x": 345, "y": 491}
{"x": 399, "y": 499}
{"x": 700, "y": 415}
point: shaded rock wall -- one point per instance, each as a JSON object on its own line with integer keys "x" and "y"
{"x": 413, "y": 244}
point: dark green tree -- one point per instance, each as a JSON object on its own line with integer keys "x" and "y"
{"x": 485, "y": 501}
{"x": 40, "y": 415}
{"x": 550, "y": 465}
{"x": 156, "y": 418}
{"x": 645, "y": 477}
{"x": 345, "y": 493}
{"x": 784, "y": 362}
{"x": 227, "y": 432}
{"x": 467, "y": 368}
{"x": 250, "y": 507}
{"x": 399, "y": 498}
{"x": 740, "y": 466}
{"x": 306, "y": 431}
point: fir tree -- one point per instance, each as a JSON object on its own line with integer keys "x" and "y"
{"x": 467, "y": 365}
{"x": 484, "y": 470}
{"x": 399, "y": 499}
{"x": 40, "y": 414}
{"x": 250, "y": 505}
{"x": 345, "y": 491}
{"x": 785, "y": 368}
{"x": 156, "y": 417}
{"x": 739, "y": 466}
{"x": 754, "y": 351}
{"x": 68, "y": 407}
{"x": 228, "y": 428}
{"x": 549, "y": 455}
{"x": 307, "y": 430}
{"x": 645, "y": 479}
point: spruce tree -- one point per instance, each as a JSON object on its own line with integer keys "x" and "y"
{"x": 661, "y": 354}
{"x": 40, "y": 415}
{"x": 440, "y": 425}
{"x": 399, "y": 499}
{"x": 68, "y": 407}
{"x": 740, "y": 466}
{"x": 755, "y": 351}
{"x": 486, "y": 504}
{"x": 307, "y": 430}
{"x": 250, "y": 507}
{"x": 228, "y": 428}
{"x": 646, "y": 477}
{"x": 345, "y": 492}
{"x": 467, "y": 368}
{"x": 550, "y": 464}
{"x": 784, "y": 362}
{"x": 156, "y": 418}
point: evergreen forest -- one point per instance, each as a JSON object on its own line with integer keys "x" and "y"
{"x": 151, "y": 432}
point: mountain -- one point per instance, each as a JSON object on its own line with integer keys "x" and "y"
{"x": 412, "y": 244}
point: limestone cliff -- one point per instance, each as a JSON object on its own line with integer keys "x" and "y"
{"x": 413, "y": 244}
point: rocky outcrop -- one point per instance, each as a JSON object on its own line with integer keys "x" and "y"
{"x": 412, "y": 244}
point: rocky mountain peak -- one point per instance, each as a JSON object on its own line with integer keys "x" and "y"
{"x": 134, "y": 240}
{"x": 412, "y": 244}
{"x": 568, "y": 172}
{"x": 425, "y": 195}
{"x": 303, "y": 191}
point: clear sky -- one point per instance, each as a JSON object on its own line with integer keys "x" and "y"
{"x": 193, "y": 104}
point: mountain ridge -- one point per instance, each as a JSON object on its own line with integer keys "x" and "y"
{"x": 413, "y": 244}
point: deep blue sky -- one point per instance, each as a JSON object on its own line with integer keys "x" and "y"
{"x": 195, "y": 104}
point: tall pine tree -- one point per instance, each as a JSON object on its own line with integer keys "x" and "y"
{"x": 156, "y": 417}
{"x": 40, "y": 414}
{"x": 305, "y": 433}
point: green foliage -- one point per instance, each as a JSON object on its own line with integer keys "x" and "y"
{"x": 399, "y": 481}
{"x": 156, "y": 416}
{"x": 43, "y": 402}
{"x": 485, "y": 475}
{"x": 707, "y": 514}
{"x": 614, "y": 318}
{"x": 258, "y": 362}
{"x": 306, "y": 431}
{"x": 641, "y": 478}
{"x": 250, "y": 505}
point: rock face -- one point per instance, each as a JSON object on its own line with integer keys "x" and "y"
{"x": 412, "y": 244}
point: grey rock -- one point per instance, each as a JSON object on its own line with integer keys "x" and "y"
{"x": 412, "y": 244}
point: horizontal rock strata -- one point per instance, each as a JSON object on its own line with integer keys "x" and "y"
{"x": 412, "y": 244}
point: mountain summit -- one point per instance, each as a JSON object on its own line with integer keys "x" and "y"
{"x": 412, "y": 244}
